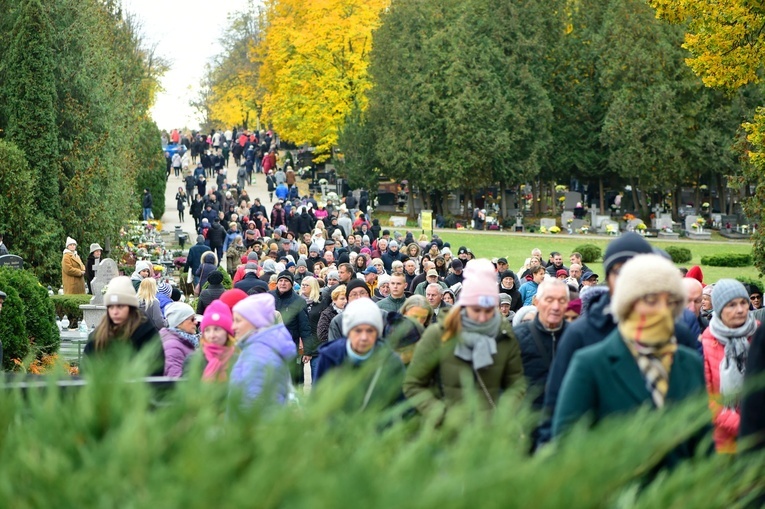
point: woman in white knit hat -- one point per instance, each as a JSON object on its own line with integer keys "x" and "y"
{"x": 640, "y": 363}
{"x": 72, "y": 269}
{"x": 124, "y": 324}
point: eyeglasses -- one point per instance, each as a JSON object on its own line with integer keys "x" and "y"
{"x": 755, "y": 297}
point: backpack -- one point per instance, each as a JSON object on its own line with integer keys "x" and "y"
{"x": 242, "y": 172}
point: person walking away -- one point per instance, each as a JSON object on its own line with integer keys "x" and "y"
{"x": 72, "y": 269}
{"x": 726, "y": 348}
{"x": 472, "y": 342}
{"x": 147, "y": 204}
{"x": 180, "y": 201}
{"x": 123, "y": 324}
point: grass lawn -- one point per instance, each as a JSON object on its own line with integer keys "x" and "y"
{"x": 517, "y": 247}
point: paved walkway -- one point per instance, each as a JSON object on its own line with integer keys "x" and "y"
{"x": 170, "y": 219}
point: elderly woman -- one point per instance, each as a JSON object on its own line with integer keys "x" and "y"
{"x": 639, "y": 363}
{"x": 363, "y": 328}
{"x": 473, "y": 342}
{"x": 726, "y": 347}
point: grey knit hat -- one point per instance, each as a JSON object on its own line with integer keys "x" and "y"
{"x": 120, "y": 292}
{"x": 177, "y": 312}
{"x": 362, "y": 311}
{"x": 726, "y": 290}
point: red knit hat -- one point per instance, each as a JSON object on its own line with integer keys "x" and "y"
{"x": 231, "y": 297}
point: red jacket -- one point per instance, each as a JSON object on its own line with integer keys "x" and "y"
{"x": 725, "y": 420}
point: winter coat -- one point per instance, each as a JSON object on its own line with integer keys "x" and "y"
{"x": 311, "y": 345}
{"x": 293, "y": 310}
{"x": 176, "y": 350}
{"x": 752, "y": 425}
{"x": 147, "y": 201}
{"x": 153, "y": 313}
{"x": 516, "y": 301}
{"x": 390, "y": 304}
{"x": 72, "y": 273}
{"x": 145, "y": 335}
{"x": 726, "y": 420}
{"x": 251, "y": 281}
{"x": 194, "y": 258}
{"x": 216, "y": 235}
{"x": 590, "y": 329}
{"x": 322, "y": 328}
{"x": 434, "y": 377}
{"x": 382, "y": 377}
{"x": 90, "y": 270}
{"x": 537, "y": 358}
{"x": 208, "y": 295}
{"x": 528, "y": 290}
{"x": 604, "y": 379}
{"x": 264, "y": 361}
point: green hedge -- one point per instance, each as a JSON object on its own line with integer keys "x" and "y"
{"x": 679, "y": 254}
{"x": 590, "y": 252}
{"x": 37, "y": 331}
{"x": 69, "y": 305}
{"x": 727, "y": 260}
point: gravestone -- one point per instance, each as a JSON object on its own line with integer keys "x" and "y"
{"x": 565, "y": 217}
{"x": 571, "y": 200}
{"x": 689, "y": 222}
{"x": 12, "y": 261}
{"x": 717, "y": 220}
{"x": 662, "y": 222}
{"x": 577, "y": 224}
{"x": 597, "y": 220}
{"x": 633, "y": 223}
{"x": 604, "y": 226}
{"x": 546, "y": 222}
{"x": 105, "y": 272}
{"x": 94, "y": 312}
{"x": 728, "y": 219}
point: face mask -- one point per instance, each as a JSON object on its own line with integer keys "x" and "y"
{"x": 649, "y": 329}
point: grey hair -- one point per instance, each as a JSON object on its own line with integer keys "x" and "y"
{"x": 437, "y": 286}
{"x": 549, "y": 284}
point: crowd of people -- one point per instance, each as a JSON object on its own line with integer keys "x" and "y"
{"x": 433, "y": 327}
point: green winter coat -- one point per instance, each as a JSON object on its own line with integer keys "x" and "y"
{"x": 434, "y": 377}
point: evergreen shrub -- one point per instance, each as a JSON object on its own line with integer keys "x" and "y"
{"x": 679, "y": 254}
{"x": 727, "y": 260}
{"x": 590, "y": 252}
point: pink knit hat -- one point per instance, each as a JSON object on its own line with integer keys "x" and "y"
{"x": 217, "y": 313}
{"x": 259, "y": 310}
{"x": 479, "y": 288}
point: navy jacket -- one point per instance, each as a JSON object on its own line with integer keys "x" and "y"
{"x": 536, "y": 363}
{"x": 294, "y": 315}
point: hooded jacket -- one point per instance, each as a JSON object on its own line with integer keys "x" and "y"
{"x": 264, "y": 362}
{"x": 176, "y": 350}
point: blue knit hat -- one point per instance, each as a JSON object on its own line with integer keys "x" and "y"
{"x": 726, "y": 290}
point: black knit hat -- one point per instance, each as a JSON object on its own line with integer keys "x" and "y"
{"x": 356, "y": 283}
{"x": 624, "y": 248}
{"x": 285, "y": 274}
{"x": 215, "y": 278}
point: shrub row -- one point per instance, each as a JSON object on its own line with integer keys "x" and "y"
{"x": 679, "y": 254}
{"x": 727, "y": 260}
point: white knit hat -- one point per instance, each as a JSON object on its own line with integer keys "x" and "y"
{"x": 70, "y": 240}
{"x": 362, "y": 311}
{"x": 642, "y": 275}
{"x": 119, "y": 292}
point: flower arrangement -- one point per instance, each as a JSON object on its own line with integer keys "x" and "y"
{"x": 569, "y": 221}
{"x": 667, "y": 229}
{"x": 584, "y": 230}
{"x": 542, "y": 229}
{"x": 628, "y": 217}
{"x": 744, "y": 228}
{"x": 611, "y": 229}
{"x": 641, "y": 226}
{"x": 701, "y": 221}
{"x": 554, "y": 229}
{"x": 562, "y": 199}
{"x": 695, "y": 226}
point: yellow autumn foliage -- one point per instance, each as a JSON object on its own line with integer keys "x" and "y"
{"x": 315, "y": 58}
{"x": 725, "y": 38}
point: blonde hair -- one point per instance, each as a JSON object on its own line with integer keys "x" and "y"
{"x": 315, "y": 294}
{"x": 147, "y": 291}
{"x": 452, "y": 323}
{"x": 337, "y": 292}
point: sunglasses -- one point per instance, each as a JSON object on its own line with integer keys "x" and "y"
{"x": 755, "y": 297}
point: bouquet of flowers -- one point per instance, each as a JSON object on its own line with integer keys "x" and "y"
{"x": 554, "y": 229}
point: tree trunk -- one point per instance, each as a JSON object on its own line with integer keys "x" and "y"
{"x": 466, "y": 204}
{"x": 502, "y": 202}
{"x": 410, "y": 213}
{"x": 635, "y": 198}
{"x": 601, "y": 194}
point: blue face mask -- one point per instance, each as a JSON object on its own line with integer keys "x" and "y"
{"x": 356, "y": 358}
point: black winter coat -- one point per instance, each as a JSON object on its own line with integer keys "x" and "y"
{"x": 216, "y": 235}
{"x": 294, "y": 314}
{"x": 537, "y": 357}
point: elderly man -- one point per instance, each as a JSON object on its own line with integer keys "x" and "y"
{"x": 589, "y": 279}
{"x": 430, "y": 278}
{"x": 575, "y": 275}
{"x": 251, "y": 283}
{"x": 434, "y": 294}
{"x": 370, "y": 277}
{"x": 426, "y": 266}
{"x": 690, "y": 316}
{"x": 539, "y": 338}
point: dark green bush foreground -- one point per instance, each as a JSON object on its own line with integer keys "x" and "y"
{"x": 111, "y": 445}
{"x": 727, "y": 260}
{"x": 590, "y": 252}
{"x": 679, "y": 254}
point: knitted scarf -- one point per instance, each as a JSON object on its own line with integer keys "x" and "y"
{"x": 479, "y": 340}
{"x": 736, "y": 343}
{"x": 192, "y": 339}
{"x": 217, "y": 361}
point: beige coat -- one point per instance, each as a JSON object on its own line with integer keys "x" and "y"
{"x": 72, "y": 273}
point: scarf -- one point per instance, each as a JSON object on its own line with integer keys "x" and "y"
{"x": 192, "y": 339}
{"x": 217, "y": 361}
{"x": 479, "y": 340}
{"x": 736, "y": 343}
{"x": 651, "y": 340}
{"x": 356, "y": 358}
{"x": 337, "y": 309}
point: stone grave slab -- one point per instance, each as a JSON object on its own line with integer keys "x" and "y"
{"x": 105, "y": 272}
